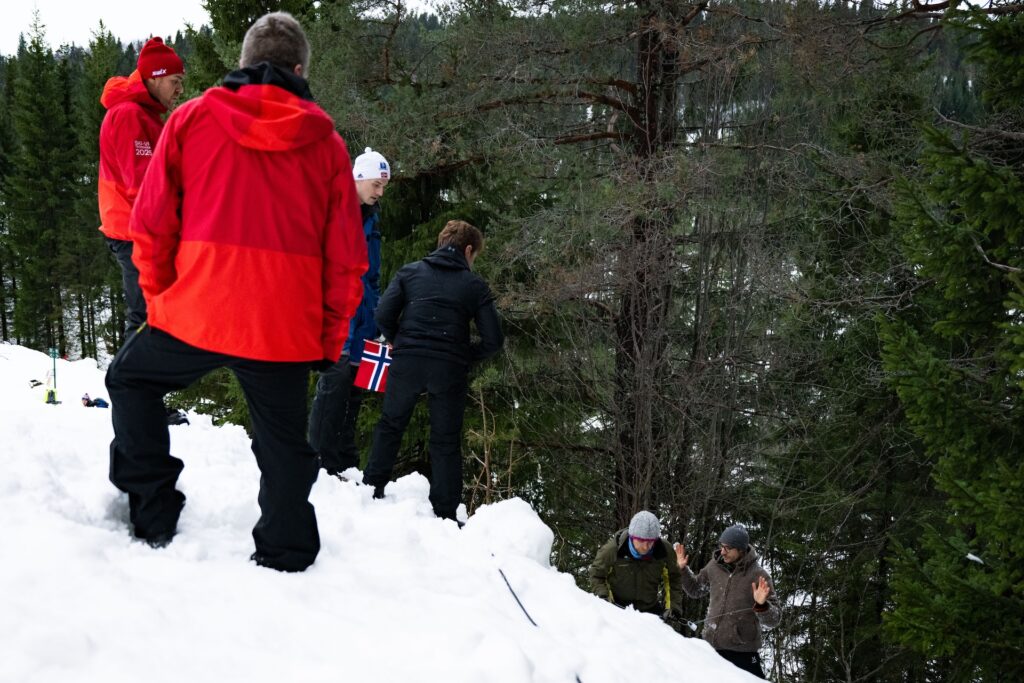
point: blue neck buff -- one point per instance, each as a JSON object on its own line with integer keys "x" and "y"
{"x": 635, "y": 554}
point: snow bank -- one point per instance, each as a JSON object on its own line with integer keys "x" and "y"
{"x": 395, "y": 595}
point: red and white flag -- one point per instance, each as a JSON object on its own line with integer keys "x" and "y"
{"x": 372, "y": 374}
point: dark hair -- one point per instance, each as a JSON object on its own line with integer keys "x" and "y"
{"x": 460, "y": 234}
{"x": 276, "y": 38}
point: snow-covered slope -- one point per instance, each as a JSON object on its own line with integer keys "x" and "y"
{"x": 395, "y": 594}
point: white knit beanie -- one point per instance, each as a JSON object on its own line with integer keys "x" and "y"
{"x": 371, "y": 165}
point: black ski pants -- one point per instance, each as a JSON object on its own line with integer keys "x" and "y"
{"x": 153, "y": 363}
{"x": 445, "y": 384}
{"x": 748, "y": 661}
{"x": 136, "y": 313}
{"x": 332, "y": 419}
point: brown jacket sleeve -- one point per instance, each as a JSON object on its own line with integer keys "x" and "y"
{"x": 770, "y": 613}
{"x": 695, "y": 585}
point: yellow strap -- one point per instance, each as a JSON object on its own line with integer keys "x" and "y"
{"x": 668, "y": 589}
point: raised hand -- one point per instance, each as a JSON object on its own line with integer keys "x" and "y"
{"x": 761, "y": 590}
{"x": 682, "y": 559}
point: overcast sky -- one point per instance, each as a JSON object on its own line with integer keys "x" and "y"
{"x": 73, "y": 21}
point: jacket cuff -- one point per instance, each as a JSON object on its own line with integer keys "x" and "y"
{"x": 761, "y": 608}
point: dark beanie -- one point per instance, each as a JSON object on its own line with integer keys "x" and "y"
{"x": 735, "y": 536}
{"x": 157, "y": 60}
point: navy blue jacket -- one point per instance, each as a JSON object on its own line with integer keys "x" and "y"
{"x": 362, "y": 326}
{"x": 427, "y": 308}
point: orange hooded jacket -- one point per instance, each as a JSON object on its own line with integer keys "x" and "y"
{"x": 128, "y": 136}
{"x": 247, "y": 230}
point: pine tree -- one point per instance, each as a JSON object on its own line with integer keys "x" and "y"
{"x": 97, "y": 277}
{"x": 40, "y": 192}
{"x": 7, "y": 148}
{"x": 956, "y": 360}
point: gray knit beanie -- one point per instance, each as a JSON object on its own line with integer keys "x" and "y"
{"x": 645, "y": 525}
{"x": 735, "y": 536}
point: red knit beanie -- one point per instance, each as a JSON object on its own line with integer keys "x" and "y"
{"x": 157, "y": 60}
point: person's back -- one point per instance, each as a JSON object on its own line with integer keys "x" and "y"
{"x": 425, "y": 313}
{"x": 441, "y": 295}
{"x": 249, "y": 248}
{"x": 260, "y": 167}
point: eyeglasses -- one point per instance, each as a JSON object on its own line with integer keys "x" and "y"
{"x": 725, "y": 546}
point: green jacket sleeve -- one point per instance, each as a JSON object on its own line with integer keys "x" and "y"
{"x": 601, "y": 569}
{"x": 675, "y": 583}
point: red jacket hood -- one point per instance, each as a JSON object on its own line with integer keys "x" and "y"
{"x": 267, "y": 117}
{"x": 128, "y": 89}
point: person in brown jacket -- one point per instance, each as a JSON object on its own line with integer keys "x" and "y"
{"x": 736, "y": 614}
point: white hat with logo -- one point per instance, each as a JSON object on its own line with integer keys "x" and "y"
{"x": 371, "y": 165}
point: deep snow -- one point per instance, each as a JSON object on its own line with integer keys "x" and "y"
{"x": 395, "y": 594}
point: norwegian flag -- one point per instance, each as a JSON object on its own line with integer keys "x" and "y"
{"x": 372, "y": 374}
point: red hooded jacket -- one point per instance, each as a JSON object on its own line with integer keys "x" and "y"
{"x": 128, "y": 137}
{"x": 247, "y": 231}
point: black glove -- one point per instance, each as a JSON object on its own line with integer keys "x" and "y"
{"x": 322, "y": 365}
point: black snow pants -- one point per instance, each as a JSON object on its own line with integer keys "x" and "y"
{"x": 136, "y": 313}
{"x": 444, "y": 382}
{"x": 153, "y": 363}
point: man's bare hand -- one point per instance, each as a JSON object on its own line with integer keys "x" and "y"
{"x": 682, "y": 559}
{"x": 761, "y": 590}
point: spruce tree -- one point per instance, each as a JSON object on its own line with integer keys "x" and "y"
{"x": 7, "y": 148}
{"x": 40, "y": 189}
{"x": 956, "y": 361}
{"x": 98, "y": 277}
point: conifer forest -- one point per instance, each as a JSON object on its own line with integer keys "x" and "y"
{"x": 756, "y": 261}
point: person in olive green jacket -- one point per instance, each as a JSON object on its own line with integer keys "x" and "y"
{"x": 736, "y": 613}
{"x": 635, "y": 566}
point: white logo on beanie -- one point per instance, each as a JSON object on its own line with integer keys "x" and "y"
{"x": 159, "y": 72}
{"x": 371, "y": 165}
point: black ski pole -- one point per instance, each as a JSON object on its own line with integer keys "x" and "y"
{"x": 520, "y": 603}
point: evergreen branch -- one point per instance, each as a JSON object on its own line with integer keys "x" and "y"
{"x": 1000, "y": 266}
{"x": 910, "y": 41}
{"x": 920, "y": 10}
{"x": 605, "y": 100}
{"x": 551, "y": 446}
{"x": 587, "y": 137}
{"x": 1007, "y": 134}
{"x": 1015, "y": 8}
{"x": 732, "y": 12}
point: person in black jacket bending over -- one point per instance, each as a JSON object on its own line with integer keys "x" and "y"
{"x": 425, "y": 315}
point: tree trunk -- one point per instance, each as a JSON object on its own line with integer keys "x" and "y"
{"x": 645, "y": 274}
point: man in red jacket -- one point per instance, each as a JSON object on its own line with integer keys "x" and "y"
{"x": 250, "y": 250}
{"x": 128, "y": 137}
